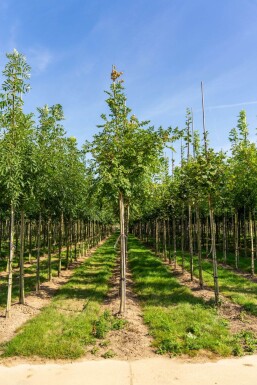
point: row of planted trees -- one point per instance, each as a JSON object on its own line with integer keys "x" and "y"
{"x": 208, "y": 205}
{"x": 51, "y": 200}
{"x": 45, "y": 202}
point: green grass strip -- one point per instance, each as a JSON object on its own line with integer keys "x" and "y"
{"x": 239, "y": 289}
{"x": 65, "y": 327}
{"x": 178, "y": 321}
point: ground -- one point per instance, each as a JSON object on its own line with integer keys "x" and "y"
{"x": 135, "y": 362}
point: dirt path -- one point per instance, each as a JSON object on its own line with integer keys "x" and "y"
{"x": 152, "y": 371}
{"x": 133, "y": 341}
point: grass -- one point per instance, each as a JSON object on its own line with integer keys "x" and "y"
{"x": 179, "y": 322}
{"x": 239, "y": 289}
{"x": 73, "y": 320}
{"x": 30, "y": 273}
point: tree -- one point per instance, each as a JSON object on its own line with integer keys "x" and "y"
{"x": 123, "y": 155}
{"x": 13, "y": 123}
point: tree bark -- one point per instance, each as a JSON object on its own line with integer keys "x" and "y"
{"x": 199, "y": 247}
{"x": 22, "y": 228}
{"x": 38, "y": 253}
{"x": 10, "y": 261}
{"x": 252, "y": 247}
{"x": 122, "y": 256}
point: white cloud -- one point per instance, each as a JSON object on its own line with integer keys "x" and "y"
{"x": 231, "y": 105}
{"x": 39, "y": 59}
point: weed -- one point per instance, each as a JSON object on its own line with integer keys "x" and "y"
{"x": 94, "y": 351}
{"x": 109, "y": 354}
{"x": 104, "y": 344}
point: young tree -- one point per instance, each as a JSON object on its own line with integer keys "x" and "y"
{"x": 16, "y": 74}
{"x": 124, "y": 154}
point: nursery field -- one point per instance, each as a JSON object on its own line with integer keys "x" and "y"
{"x": 80, "y": 321}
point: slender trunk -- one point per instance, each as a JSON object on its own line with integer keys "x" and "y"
{"x": 30, "y": 240}
{"x": 245, "y": 231}
{"x": 122, "y": 257}
{"x": 22, "y": 228}
{"x": 156, "y": 237}
{"x": 252, "y": 247}
{"x": 38, "y": 253}
{"x": 49, "y": 253}
{"x": 10, "y": 261}
{"x": 214, "y": 256}
{"x": 207, "y": 237}
{"x": 183, "y": 240}
{"x": 224, "y": 239}
{"x": 255, "y": 233}
{"x": 60, "y": 246}
{"x": 1, "y": 235}
{"x": 236, "y": 240}
{"x": 174, "y": 241}
{"x": 199, "y": 246}
{"x": 164, "y": 240}
{"x": 190, "y": 237}
{"x": 67, "y": 244}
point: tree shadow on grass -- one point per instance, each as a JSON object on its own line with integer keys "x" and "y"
{"x": 154, "y": 284}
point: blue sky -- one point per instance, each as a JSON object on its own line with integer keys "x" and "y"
{"x": 164, "y": 47}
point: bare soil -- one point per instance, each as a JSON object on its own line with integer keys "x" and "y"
{"x": 133, "y": 341}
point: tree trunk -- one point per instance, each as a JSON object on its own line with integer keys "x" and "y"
{"x": 236, "y": 240}
{"x": 214, "y": 256}
{"x": 190, "y": 238}
{"x": 10, "y": 261}
{"x": 60, "y": 246}
{"x": 49, "y": 253}
{"x": 122, "y": 256}
{"x": 183, "y": 240}
{"x": 174, "y": 241}
{"x": 224, "y": 239}
{"x": 252, "y": 247}
{"x": 199, "y": 247}
{"x": 38, "y": 253}
{"x": 22, "y": 228}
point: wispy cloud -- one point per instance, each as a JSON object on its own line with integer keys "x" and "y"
{"x": 39, "y": 59}
{"x": 13, "y": 33}
{"x": 231, "y": 105}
